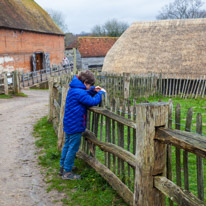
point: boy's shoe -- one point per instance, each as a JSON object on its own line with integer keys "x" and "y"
{"x": 70, "y": 176}
{"x": 61, "y": 170}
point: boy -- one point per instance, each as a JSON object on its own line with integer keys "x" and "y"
{"x": 79, "y": 97}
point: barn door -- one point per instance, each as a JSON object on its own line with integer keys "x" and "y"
{"x": 46, "y": 61}
{"x": 39, "y": 61}
{"x": 34, "y": 62}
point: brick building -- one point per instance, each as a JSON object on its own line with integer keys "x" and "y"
{"x": 90, "y": 51}
{"x": 29, "y": 39}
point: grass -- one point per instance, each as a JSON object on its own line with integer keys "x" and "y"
{"x": 92, "y": 190}
{"x": 11, "y": 95}
{"x": 4, "y": 96}
{"x": 199, "y": 106}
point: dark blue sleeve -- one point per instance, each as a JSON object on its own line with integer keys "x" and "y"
{"x": 89, "y": 101}
{"x": 91, "y": 92}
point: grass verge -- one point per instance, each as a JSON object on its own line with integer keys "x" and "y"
{"x": 92, "y": 190}
{"x": 10, "y": 95}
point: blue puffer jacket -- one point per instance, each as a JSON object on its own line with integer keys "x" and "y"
{"x": 77, "y": 101}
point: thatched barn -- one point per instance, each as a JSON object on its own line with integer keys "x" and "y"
{"x": 29, "y": 39}
{"x": 168, "y": 46}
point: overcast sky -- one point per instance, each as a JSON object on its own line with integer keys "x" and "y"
{"x": 83, "y": 15}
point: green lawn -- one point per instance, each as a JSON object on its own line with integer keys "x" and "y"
{"x": 92, "y": 190}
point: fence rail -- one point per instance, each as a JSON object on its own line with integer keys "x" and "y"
{"x": 137, "y": 150}
{"x": 131, "y": 85}
{"x": 35, "y": 77}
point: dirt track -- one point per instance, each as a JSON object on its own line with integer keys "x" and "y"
{"x": 21, "y": 183}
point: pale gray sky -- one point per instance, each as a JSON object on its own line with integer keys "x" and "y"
{"x": 82, "y": 15}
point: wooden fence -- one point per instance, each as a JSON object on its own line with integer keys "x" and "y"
{"x": 137, "y": 150}
{"x": 10, "y": 82}
{"x": 32, "y": 78}
{"x": 131, "y": 85}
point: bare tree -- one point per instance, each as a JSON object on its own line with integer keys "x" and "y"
{"x": 182, "y": 9}
{"x": 112, "y": 28}
{"x": 59, "y": 19}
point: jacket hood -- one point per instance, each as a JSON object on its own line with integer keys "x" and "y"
{"x": 76, "y": 83}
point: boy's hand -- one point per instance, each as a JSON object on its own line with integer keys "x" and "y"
{"x": 98, "y": 88}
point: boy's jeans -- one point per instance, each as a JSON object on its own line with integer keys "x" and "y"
{"x": 71, "y": 147}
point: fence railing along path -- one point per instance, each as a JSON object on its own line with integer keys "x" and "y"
{"x": 36, "y": 77}
{"x": 145, "y": 85}
{"x": 131, "y": 146}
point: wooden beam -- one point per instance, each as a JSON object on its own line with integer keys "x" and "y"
{"x": 175, "y": 193}
{"x": 150, "y": 154}
{"x": 57, "y": 106}
{"x": 114, "y": 116}
{"x": 190, "y": 142}
{"x": 60, "y": 142}
{"x": 112, "y": 148}
{"x": 109, "y": 176}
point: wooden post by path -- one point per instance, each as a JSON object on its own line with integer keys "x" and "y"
{"x": 150, "y": 155}
{"x": 6, "y": 88}
{"x": 60, "y": 128}
{"x": 51, "y": 99}
{"x": 126, "y": 79}
{"x": 16, "y": 82}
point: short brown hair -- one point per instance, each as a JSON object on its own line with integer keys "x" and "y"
{"x": 87, "y": 77}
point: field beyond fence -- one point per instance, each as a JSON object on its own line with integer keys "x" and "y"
{"x": 141, "y": 149}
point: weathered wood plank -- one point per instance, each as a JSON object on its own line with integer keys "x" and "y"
{"x": 190, "y": 142}
{"x": 175, "y": 193}
{"x": 60, "y": 142}
{"x": 151, "y": 157}
{"x": 200, "y": 168}
{"x": 51, "y": 99}
{"x": 177, "y": 150}
{"x": 185, "y": 153}
{"x": 57, "y": 106}
{"x": 109, "y": 176}
{"x": 109, "y": 147}
{"x": 114, "y": 116}
{"x": 6, "y": 88}
{"x": 169, "y": 150}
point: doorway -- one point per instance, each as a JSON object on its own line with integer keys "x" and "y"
{"x": 39, "y": 61}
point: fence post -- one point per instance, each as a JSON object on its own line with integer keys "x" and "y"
{"x": 16, "y": 82}
{"x": 51, "y": 99}
{"x": 126, "y": 82}
{"x": 150, "y": 155}
{"x": 60, "y": 128}
{"x": 6, "y": 88}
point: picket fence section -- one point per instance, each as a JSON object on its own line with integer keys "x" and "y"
{"x": 145, "y": 85}
{"x": 131, "y": 146}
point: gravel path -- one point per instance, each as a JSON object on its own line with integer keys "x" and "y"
{"x": 21, "y": 183}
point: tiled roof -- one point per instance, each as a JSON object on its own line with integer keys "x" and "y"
{"x": 94, "y": 46}
{"x": 26, "y": 15}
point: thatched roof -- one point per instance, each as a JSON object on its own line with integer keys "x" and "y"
{"x": 26, "y": 15}
{"x": 174, "y": 46}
